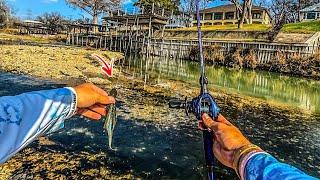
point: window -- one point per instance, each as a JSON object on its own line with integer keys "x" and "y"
{"x": 230, "y": 15}
{"x": 208, "y": 16}
{"x": 256, "y": 15}
{"x": 218, "y": 16}
{"x": 311, "y": 15}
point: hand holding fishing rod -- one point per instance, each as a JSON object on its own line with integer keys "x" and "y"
{"x": 203, "y": 104}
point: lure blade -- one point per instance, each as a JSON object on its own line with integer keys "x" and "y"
{"x": 110, "y": 119}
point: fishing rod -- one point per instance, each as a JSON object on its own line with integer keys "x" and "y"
{"x": 203, "y": 103}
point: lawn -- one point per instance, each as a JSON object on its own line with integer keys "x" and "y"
{"x": 246, "y": 27}
{"x": 302, "y": 27}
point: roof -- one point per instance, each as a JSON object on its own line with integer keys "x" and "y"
{"x": 33, "y": 22}
{"x": 228, "y": 8}
{"x": 315, "y": 7}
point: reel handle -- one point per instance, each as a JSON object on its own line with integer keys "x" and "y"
{"x": 177, "y": 104}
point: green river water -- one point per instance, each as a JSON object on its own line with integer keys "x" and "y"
{"x": 291, "y": 91}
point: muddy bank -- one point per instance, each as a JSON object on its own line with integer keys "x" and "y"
{"x": 152, "y": 140}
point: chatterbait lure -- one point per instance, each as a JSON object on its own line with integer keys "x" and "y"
{"x": 110, "y": 120}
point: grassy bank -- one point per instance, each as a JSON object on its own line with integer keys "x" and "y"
{"x": 302, "y": 27}
{"x": 246, "y": 27}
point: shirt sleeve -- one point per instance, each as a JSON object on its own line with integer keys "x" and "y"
{"x": 25, "y": 117}
{"x": 265, "y": 167}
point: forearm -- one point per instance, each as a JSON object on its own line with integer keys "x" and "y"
{"x": 261, "y": 165}
{"x": 25, "y": 117}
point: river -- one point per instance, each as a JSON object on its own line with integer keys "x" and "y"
{"x": 291, "y": 91}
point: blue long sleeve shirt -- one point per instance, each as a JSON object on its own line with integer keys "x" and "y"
{"x": 25, "y": 117}
{"x": 263, "y": 166}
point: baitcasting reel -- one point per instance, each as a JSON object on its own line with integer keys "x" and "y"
{"x": 204, "y": 103}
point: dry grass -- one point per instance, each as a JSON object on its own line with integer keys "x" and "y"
{"x": 29, "y": 38}
{"x": 52, "y": 62}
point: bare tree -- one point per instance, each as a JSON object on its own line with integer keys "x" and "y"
{"x": 244, "y": 11}
{"x": 94, "y": 7}
{"x": 188, "y": 6}
{"x": 283, "y": 11}
{"x": 54, "y": 21}
{"x": 5, "y": 13}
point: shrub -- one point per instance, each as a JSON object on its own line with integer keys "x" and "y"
{"x": 250, "y": 58}
{"x": 234, "y": 58}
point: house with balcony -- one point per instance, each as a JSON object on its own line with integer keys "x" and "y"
{"x": 310, "y": 13}
{"x": 227, "y": 14}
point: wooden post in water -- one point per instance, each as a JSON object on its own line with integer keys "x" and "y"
{"x": 111, "y": 42}
{"x": 150, "y": 29}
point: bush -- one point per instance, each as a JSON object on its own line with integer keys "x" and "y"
{"x": 211, "y": 54}
{"x": 250, "y": 58}
{"x": 234, "y": 58}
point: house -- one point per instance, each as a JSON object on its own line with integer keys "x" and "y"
{"x": 227, "y": 14}
{"x": 179, "y": 21}
{"x": 310, "y": 13}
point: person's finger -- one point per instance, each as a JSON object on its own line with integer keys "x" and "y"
{"x": 90, "y": 114}
{"x": 106, "y": 100}
{"x": 209, "y": 122}
{"x": 99, "y": 90}
{"x": 222, "y": 119}
{"x": 98, "y": 109}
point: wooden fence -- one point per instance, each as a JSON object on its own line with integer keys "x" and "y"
{"x": 181, "y": 48}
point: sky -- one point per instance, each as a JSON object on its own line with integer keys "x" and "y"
{"x": 26, "y": 9}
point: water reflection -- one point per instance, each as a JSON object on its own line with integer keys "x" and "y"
{"x": 270, "y": 86}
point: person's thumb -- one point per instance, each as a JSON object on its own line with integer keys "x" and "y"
{"x": 209, "y": 122}
{"x": 106, "y": 99}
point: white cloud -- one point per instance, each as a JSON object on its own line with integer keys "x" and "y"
{"x": 50, "y": 1}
